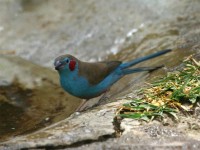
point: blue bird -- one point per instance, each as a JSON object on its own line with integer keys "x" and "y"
{"x": 88, "y": 80}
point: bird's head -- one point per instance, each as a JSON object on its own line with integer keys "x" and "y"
{"x": 66, "y": 63}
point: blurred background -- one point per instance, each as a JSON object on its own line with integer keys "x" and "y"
{"x": 39, "y": 30}
{"x": 34, "y": 32}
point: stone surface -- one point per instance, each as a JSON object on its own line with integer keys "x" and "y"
{"x": 90, "y": 29}
{"x": 30, "y": 97}
{"x": 39, "y": 31}
{"x": 87, "y": 126}
{"x": 94, "y": 129}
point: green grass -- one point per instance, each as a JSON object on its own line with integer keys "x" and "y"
{"x": 176, "y": 92}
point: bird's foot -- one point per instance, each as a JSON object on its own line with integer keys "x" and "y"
{"x": 102, "y": 100}
{"x": 82, "y": 106}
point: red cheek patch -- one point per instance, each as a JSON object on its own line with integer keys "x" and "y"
{"x": 72, "y": 65}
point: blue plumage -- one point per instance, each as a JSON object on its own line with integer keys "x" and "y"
{"x": 88, "y": 80}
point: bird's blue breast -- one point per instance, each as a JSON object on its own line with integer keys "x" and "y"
{"x": 74, "y": 84}
{"x": 79, "y": 86}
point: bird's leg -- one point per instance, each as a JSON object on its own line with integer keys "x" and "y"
{"x": 103, "y": 98}
{"x": 83, "y": 104}
{"x": 81, "y": 107}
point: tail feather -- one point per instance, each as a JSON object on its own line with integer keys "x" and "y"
{"x": 138, "y": 60}
{"x": 134, "y": 70}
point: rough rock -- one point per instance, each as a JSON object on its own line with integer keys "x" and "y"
{"x": 95, "y": 129}
{"x": 89, "y": 126}
{"x": 30, "y": 95}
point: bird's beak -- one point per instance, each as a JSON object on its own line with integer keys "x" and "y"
{"x": 57, "y": 64}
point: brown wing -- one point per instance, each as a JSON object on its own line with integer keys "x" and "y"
{"x": 96, "y": 72}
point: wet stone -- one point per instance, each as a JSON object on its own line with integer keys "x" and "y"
{"x": 29, "y": 94}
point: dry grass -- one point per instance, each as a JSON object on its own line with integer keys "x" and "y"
{"x": 177, "y": 91}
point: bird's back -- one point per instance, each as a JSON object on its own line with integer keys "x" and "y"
{"x": 96, "y": 72}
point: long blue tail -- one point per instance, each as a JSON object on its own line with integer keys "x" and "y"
{"x": 134, "y": 70}
{"x": 138, "y": 60}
